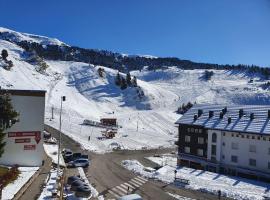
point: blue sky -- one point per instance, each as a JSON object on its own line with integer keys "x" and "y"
{"x": 216, "y": 31}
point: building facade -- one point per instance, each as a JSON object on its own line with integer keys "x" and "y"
{"x": 231, "y": 140}
{"x": 24, "y": 140}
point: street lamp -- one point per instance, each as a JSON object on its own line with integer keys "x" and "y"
{"x": 63, "y": 98}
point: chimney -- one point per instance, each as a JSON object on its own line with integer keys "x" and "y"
{"x": 200, "y": 112}
{"x": 211, "y": 113}
{"x": 195, "y": 117}
{"x": 229, "y": 120}
{"x": 224, "y": 110}
{"x": 221, "y": 115}
{"x": 251, "y": 116}
{"x": 241, "y": 113}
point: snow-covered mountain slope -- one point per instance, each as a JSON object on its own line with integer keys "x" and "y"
{"x": 147, "y": 122}
{"x": 8, "y": 34}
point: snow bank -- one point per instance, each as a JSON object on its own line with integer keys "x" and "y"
{"x": 11, "y": 189}
{"x": 52, "y": 151}
{"x": 49, "y": 185}
{"x": 232, "y": 187}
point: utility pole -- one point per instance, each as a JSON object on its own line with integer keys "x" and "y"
{"x": 63, "y": 98}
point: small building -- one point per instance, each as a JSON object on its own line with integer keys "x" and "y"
{"x": 108, "y": 121}
{"x": 24, "y": 141}
{"x": 232, "y": 140}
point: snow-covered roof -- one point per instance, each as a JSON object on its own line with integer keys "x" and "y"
{"x": 254, "y": 119}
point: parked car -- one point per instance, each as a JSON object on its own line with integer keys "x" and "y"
{"x": 131, "y": 197}
{"x": 71, "y": 179}
{"x": 77, "y": 184}
{"x": 80, "y": 162}
{"x": 83, "y": 191}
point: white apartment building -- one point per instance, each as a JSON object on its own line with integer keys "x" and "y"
{"x": 227, "y": 139}
{"x": 24, "y": 140}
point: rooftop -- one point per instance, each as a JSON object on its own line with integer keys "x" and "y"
{"x": 40, "y": 93}
{"x": 240, "y": 118}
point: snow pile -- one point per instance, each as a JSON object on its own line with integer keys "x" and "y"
{"x": 25, "y": 174}
{"x": 52, "y": 151}
{"x": 164, "y": 159}
{"x": 50, "y": 185}
{"x": 232, "y": 187}
{"x": 83, "y": 176}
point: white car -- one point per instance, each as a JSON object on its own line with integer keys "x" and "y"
{"x": 80, "y": 162}
{"x": 131, "y": 197}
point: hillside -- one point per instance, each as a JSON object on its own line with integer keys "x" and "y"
{"x": 147, "y": 121}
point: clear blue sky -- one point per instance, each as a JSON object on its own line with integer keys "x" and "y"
{"x": 216, "y": 31}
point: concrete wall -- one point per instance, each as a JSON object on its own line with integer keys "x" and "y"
{"x": 30, "y": 152}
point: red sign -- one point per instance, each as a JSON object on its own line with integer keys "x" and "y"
{"x": 35, "y": 134}
{"x": 23, "y": 134}
{"x": 29, "y": 147}
{"x": 23, "y": 140}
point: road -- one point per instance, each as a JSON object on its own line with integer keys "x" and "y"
{"x": 105, "y": 173}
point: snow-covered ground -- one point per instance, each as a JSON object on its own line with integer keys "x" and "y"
{"x": 11, "y": 189}
{"x": 52, "y": 151}
{"x": 50, "y": 185}
{"x": 147, "y": 122}
{"x": 233, "y": 187}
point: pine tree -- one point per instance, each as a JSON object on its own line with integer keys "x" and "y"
{"x": 118, "y": 79}
{"x": 4, "y": 54}
{"x": 8, "y": 117}
{"x": 128, "y": 79}
{"x": 123, "y": 83}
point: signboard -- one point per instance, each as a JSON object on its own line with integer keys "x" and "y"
{"x": 35, "y": 134}
{"x": 23, "y": 140}
{"x": 29, "y": 147}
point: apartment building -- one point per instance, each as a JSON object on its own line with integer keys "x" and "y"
{"x": 227, "y": 139}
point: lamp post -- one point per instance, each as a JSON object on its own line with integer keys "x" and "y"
{"x": 63, "y": 98}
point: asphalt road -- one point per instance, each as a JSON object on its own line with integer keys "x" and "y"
{"x": 105, "y": 172}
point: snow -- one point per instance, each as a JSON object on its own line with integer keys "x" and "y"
{"x": 52, "y": 151}
{"x": 11, "y": 189}
{"x": 148, "y": 122}
{"x": 232, "y": 187}
{"x": 50, "y": 185}
{"x": 18, "y": 37}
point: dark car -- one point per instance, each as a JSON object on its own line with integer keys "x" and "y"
{"x": 71, "y": 179}
{"x": 83, "y": 192}
{"x": 77, "y": 184}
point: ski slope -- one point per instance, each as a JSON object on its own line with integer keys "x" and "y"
{"x": 146, "y": 122}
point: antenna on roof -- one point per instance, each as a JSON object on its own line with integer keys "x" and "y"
{"x": 200, "y": 112}
{"x": 241, "y": 113}
{"x": 221, "y": 115}
{"x": 211, "y": 113}
{"x": 229, "y": 120}
{"x": 251, "y": 116}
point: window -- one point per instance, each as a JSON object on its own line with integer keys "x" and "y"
{"x": 196, "y": 130}
{"x": 187, "y": 150}
{"x": 214, "y": 137}
{"x": 252, "y": 162}
{"x": 268, "y": 165}
{"x": 214, "y": 150}
{"x": 252, "y": 148}
{"x": 223, "y": 157}
{"x": 223, "y": 143}
{"x": 224, "y": 133}
{"x": 192, "y": 130}
{"x": 258, "y": 137}
{"x": 200, "y": 130}
{"x": 187, "y": 138}
{"x": 200, "y": 152}
{"x": 269, "y": 151}
{"x": 213, "y": 158}
{"x": 234, "y": 159}
{"x": 232, "y": 135}
{"x": 200, "y": 140}
{"x": 247, "y": 136}
{"x": 242, "y": 136}
{"x": 253, "y": 137}
{"x": 188, "y": 130}
{"x": 264, "y": 138}
{"x": 234, "y": 145}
